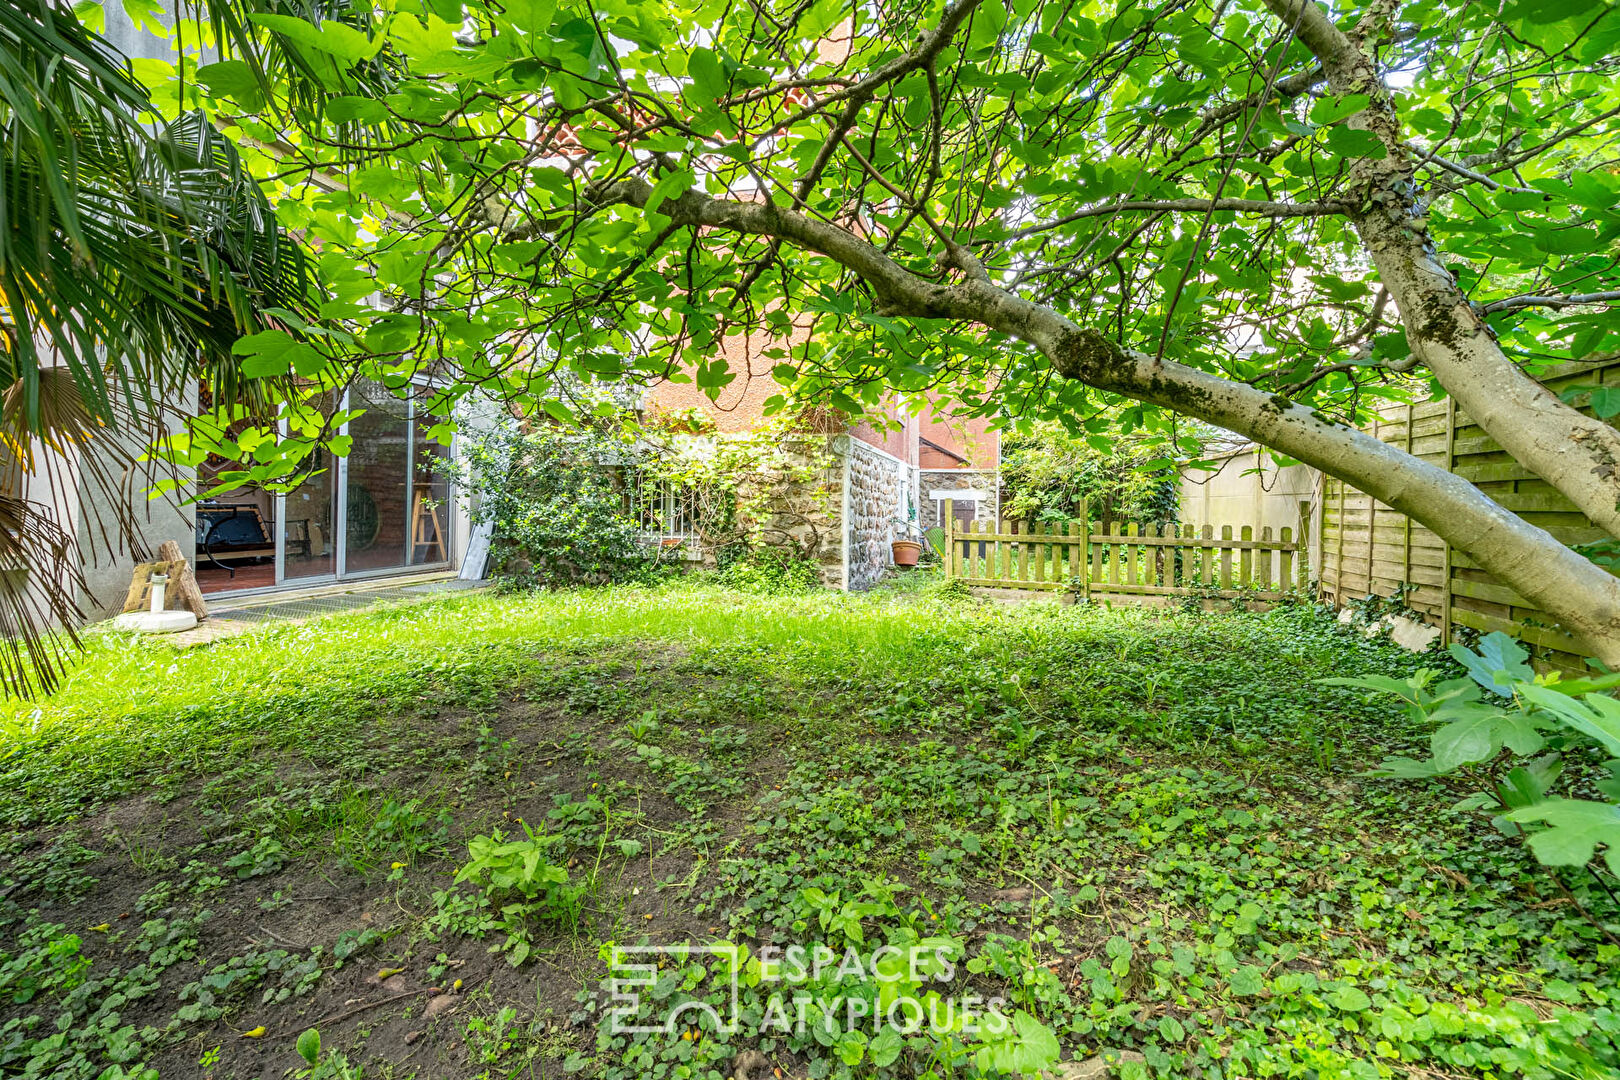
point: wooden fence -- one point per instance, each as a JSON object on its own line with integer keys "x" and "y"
{"x": 1128, "y": 559}
{"x": 1368, "y": 548}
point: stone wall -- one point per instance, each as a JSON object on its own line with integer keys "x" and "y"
{"x": 878, "y": 488}
{"x": 986, "y": 481}
{"x": 791, "y": 486}
{"x": 804, "y": 508}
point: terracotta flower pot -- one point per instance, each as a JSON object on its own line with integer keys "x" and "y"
{"x": 906, "y": 552}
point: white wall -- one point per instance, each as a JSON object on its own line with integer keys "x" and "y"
{"x": 1248, "y": 489}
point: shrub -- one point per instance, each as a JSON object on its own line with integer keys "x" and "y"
{"x": 520, "y": 884}
{"x": 769, "y": 570}
{"x": 560, "y": 513}
{"x": 1491, "y": 725}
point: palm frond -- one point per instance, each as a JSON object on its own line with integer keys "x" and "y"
{"x": 133, "y": 255}
{"x": 39, "y": 580}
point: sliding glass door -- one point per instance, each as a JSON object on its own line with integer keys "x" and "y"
{"x": 309, "y": 522}
{"x": 377, "y": 502}
{"x": 381, "y": 509}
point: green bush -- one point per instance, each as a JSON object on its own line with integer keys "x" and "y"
{"x": 560, "y": 514}
{"x": 768, "y": 570}
{"x": 520, "y": 884}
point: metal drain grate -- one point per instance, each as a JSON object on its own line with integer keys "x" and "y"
{"x": 305, "y": 609}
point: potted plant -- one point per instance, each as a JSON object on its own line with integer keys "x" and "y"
{"x": 907, "y": 545}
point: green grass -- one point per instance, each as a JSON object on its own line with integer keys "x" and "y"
{"x": 1148, "y": 831}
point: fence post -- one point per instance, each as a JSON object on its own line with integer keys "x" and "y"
{"x": 1406, "y": 535}
{"x": 950, "y": 538}
{"x": 1445, "y": 574}
{"x": 1085, "y": 548}
{"x": 1372, "y": 518}
{"x": 1302, "y": 561}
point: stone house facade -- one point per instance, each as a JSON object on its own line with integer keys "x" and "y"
{"x": 886, "y": 476}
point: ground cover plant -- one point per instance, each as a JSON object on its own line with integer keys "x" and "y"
{"x": 406, "y": 843}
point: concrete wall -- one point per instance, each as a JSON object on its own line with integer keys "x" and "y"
{"x": 1248, "y": 489}
{"x": 91, "y": 515}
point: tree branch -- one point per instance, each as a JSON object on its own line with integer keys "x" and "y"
{"x": 1258, "y": 207}
{"x": 1519, "y": 303}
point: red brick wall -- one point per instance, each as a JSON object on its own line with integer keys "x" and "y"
{"x": 741, "y": 403}
{"x": 740, "y": 406}
{"x": 969, "y": 437}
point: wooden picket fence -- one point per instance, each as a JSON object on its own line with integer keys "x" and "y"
{"x": 1129, "y": 559}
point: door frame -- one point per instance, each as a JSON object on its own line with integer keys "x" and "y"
{"x": 340, "y": 532}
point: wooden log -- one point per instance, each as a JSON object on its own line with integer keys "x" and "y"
{"x": 184, "y": 592}
{"x": 139, "y": 597}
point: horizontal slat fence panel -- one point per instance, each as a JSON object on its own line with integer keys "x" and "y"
{"x": 1367, "y": 547}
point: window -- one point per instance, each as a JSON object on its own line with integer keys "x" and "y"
{"x": 667, "y": 511}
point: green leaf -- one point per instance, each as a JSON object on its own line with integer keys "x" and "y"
{"x": 1479, "y": 733}
{"x": 1548, "y": 11}
{"x": 1405, "y": 689}
{"x": 1574, "y": 829}
{"x": 233, "y": 79}
{"x": 344, "y": 42}
{"x": 1246, "y": 981}
{"x": 671, "y": 184}
{"x": 1171, "y": 1031}
{"x": 708, "y": 76}
{"x": 989, "y": 20}
{"x": 1596, "y": 715}
{"x": 1498, "y": 664}
{"x": 1331, "y": 110}
{"x": 349, "y": 109}
{"x": 885, "y": 1047}
{"x": 1353, "y": 143}
{"x": 1038, "y": 1047}
{"x": 1350, "y": 999}
{"x": 1406, "y": 769}
{"x": 419, "y": 40}
{"x": 532, "y": 16}
{"x": 1567, "y": 241}
{"x": 309, "y": 1046}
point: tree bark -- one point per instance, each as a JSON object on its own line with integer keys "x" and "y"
{"x": 1581, "y": 596}
{"x": 1577, "y": 454}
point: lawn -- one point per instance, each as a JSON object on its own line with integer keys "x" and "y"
{"x": 1142, "y": 833}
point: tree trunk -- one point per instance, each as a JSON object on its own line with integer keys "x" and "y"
{"x": 1575, "y": 453}
{"x": 1582, "y": 597}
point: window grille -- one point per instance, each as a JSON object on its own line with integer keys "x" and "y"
{"x": 667, "y": 511}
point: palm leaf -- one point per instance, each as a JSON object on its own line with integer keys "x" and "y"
{"x": 133, "y": 255}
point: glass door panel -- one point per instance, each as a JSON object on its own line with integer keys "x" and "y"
{"x": 430, "y": 494}
{"x": 377, "y": 503}
{"x": 309, "y": 521}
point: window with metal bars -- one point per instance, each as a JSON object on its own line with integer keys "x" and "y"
{"x": 666, "y": 511}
